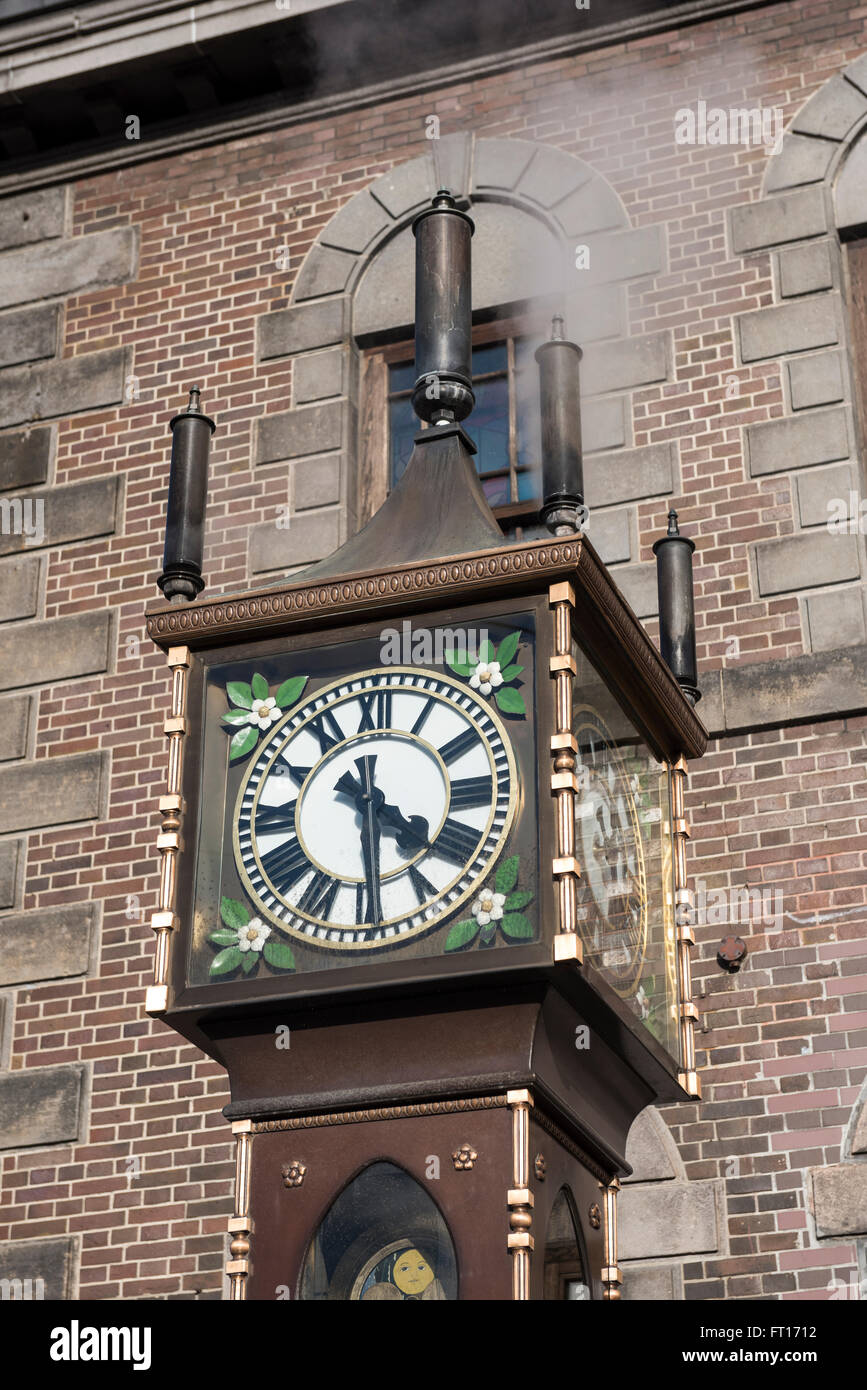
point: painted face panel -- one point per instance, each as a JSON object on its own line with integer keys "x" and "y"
{"x": 375, "y": 808}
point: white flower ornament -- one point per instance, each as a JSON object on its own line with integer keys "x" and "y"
{"x": 264, "y": 713}
{"x": 253, "y": 936}
{"x": 488, "y": 907}
{"x": 486, "y": 677}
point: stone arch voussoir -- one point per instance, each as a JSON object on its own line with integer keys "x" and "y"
{"x": 814, "y": 196}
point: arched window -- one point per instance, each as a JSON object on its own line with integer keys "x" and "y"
{"x": 565, "y": 1274}
{"x": 552, "y": 236}
{"x": 383, "y": 1238}
{"x": 518, "y": 279}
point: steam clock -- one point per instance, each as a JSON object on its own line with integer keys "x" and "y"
{"x": 423, "y": 888}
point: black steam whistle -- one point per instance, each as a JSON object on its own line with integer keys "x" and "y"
{"x": 443, "y": 392}
{"x": 677, "y": 608}
{"x": 181, "y": 579}
{"x": 562, "y": 510}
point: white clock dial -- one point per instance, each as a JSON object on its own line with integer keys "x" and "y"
{"x": 374, "y": 809}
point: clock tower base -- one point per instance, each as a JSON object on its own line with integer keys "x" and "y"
{"x": 484, "y": 1162}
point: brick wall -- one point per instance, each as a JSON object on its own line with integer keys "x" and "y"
{"x": 123, "y": 289}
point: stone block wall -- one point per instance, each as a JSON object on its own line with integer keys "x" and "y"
{"x": 717, "y": 377}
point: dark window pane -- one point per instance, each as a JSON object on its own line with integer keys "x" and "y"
{"x": 497, "y": 491}
{"x": 491, "y": 358}
{"x": 404, "y": 425}
{"x": 401, "y": 376}
{"x": 564, "y": 1274}
{"x": 527, "y": 405}
{"x": 525, "y": 354}
{"x": 528, "y": 486}
{"x": 529, "y": 451}
{"x": 488, "y": 426}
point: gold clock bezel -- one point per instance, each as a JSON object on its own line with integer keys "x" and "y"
{"x": 411, "y": 934}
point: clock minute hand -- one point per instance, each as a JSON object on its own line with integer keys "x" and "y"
{"x": 366, "y": 802}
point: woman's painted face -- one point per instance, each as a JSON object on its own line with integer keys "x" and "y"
{"x": 412, "y": 1273}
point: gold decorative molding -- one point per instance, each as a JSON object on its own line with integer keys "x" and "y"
{"x": 691, "y": 1083}
{"x": 381, "y": 1112}
{"x": 687, "y": 1011}
{"x": 247, "y": 613}
{"x": 293, "y": 1173}
{"x": 562, "y": 1138}
{"x": 564, "y": 783}
{"x": 169, "y": 842}
{"x": 156, "y": 999}
{"x": 241, "y": 1224}
{"x": 465, "y": 1158}
{"x": 567, "y": 945}
{"x": 519, "y": 1198}
{"x": 565, "y": 567}
{"x": 612, "y": 1278}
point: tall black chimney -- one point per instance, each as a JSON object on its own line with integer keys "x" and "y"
{"x": 181, "y": 579}
{"x": 562, "y": 509}
{"x": 443, "y": 312}
{"x": 677, "y": 608}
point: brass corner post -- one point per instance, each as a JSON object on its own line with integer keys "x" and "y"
{"x": 241, "y": 1224}
{"x": 612, "y": 1278}
{"x": 519, "y": 1197}
{"x": 688, "y": 1012}
{"x": 164, "y": 921}
{"x": 564, "y": 782}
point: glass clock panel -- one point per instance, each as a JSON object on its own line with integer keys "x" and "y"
{"x": 623, "y": 843}
{"x": 375, "y": 797}
{"x": 565, "y": 1274}
{"x": 384, "y": 1238}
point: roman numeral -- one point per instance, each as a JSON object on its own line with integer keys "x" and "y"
{"x": 381, "y": 719}
{"x": 459, "y": 745}
{"x": 456, "y": 841}
{"x": 296, "y": 773}
{"x": 327, "y": 730}
{"x": 471, "y": 791}
{"x": 359, "y": 904}
{"x": 285, "y": 864}
{"x": 271, "y": 820}
{"x": 420, "y": 722}
{"x": 423, "y": 889}
{"x": 318, "y": 897}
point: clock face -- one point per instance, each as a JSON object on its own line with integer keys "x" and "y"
{"x": 610, "y": 849}
{"x": 375, "y": 808}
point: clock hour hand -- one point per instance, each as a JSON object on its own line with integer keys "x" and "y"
{"x": 412, "y": 832}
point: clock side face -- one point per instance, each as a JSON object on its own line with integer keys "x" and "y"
{"x": 623, "y": 843}
{"x": 375, "y": 808}
{"x": 366, "y": 803}
{"x": 611, "y": 852}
